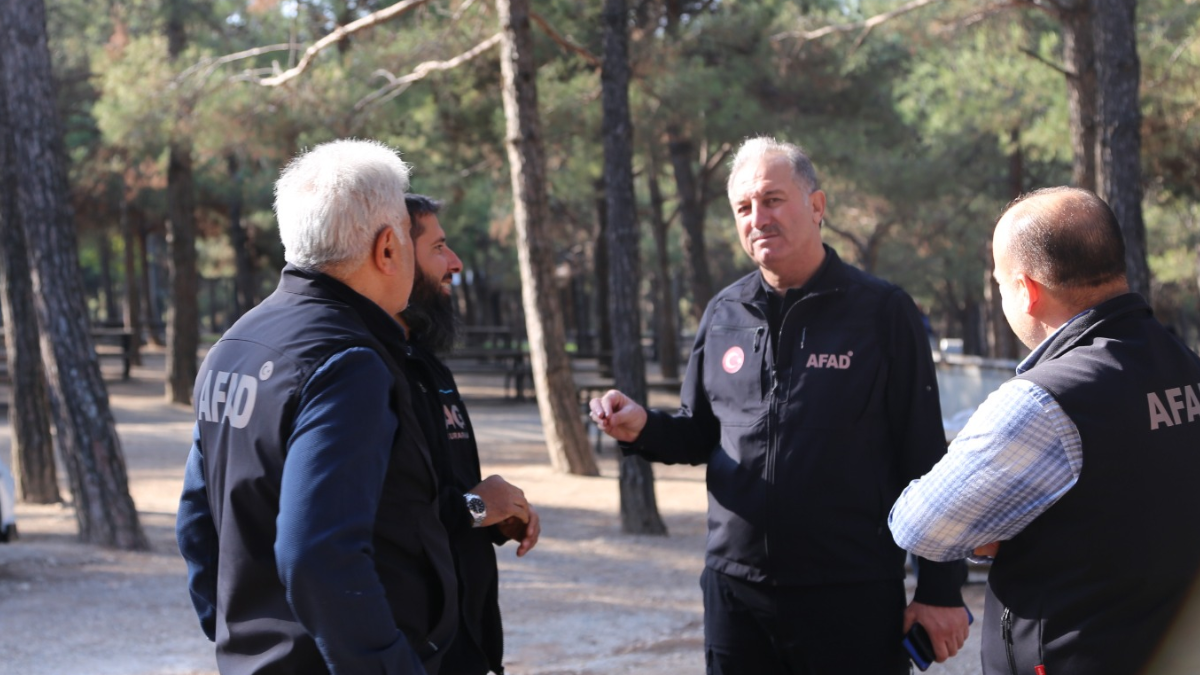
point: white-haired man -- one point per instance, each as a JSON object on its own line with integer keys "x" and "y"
{"x": 811, "y": 396}
{"x": 309, "y": 512}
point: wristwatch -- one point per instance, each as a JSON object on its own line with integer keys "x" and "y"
{"x": 476, "y": 508}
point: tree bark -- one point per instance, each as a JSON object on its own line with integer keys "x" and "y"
{"x": 691, "y": 211}
{"x": 245, "y": 291}
{"x": 668, "y": 323}
{"x": 150, "y": 284}
{"x": 1118, "y": 137}
{"x": 639, "y": 509}
{"x": 29, "y": 409}
{"x": 133, "y": 296}
{"x": 1080, "y": 56}
{"x": 557, "y": 399}
{"x": 86, "y": 429}
{"x": 106, "y": 277}
{"x": 604, "y": 334}
{"x": 183, "y": 316}
{"x": 1002, "y": 342}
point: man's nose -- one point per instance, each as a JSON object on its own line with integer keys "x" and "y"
{"x": 759, "y": 217}
{"x": 455, "y": 265}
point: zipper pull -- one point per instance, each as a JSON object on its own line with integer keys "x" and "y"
{"x": 758, "y": 333}
{"x": 803, "y": 334}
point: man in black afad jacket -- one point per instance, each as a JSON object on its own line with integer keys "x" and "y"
{"x": 811, "y": 396}
{"x": 1083, "y": 467}
{"x": 477, "y": 514}
{"x": 309, "y": 516}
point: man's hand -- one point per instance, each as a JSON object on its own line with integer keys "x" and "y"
{"x": 947, "y": 627}
{"x": 503, "y": 501}
{"x": 988, "y": 550}
{"x": 618, "y": 416}
{"x": 525, "y": 533}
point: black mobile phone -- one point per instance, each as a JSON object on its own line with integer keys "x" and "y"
{"x": 919, "y": 646}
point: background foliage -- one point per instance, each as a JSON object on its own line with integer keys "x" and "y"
{"x": 913, "y": 126}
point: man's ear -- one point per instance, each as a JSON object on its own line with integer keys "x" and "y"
{"x": 385, "y": 250}
{"x": 1032, "y": 292}
{"x": 817, "y": 201}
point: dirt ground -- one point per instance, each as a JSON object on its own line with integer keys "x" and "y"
{"x": 587, "y": 600}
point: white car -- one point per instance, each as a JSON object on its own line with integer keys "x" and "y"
{"x": 8, "y": 504}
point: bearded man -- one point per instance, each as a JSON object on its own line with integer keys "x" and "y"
{"x": 477, "y": 514}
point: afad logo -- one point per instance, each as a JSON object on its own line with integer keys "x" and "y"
{"x": 733, "y": 359}
{"x": 840, "y": 361}
{"x": 230, "y": 396}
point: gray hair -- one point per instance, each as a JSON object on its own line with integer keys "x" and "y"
{"x": 333, "y": 200}
{"x": 760, "y": 147}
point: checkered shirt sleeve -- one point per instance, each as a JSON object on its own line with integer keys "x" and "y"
{"x": 1015, "y": 458}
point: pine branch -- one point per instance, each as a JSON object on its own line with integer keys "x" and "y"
{"x": 397, "y": 85}
{"x": 210, "y": 64}
{"x": 342, "y": 32}
{"x": 1043, "y": 60}
{"x": 562, "y": 41}
{"x": 864, "y": 26}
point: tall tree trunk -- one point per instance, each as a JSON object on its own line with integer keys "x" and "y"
{"x": 639, "y": 510}
{"x": 972, "y": 318}
{"x": 29, "y": 410}
{"x": 691, "y": 211}
{"x": 106, "y": 277}
{"x": 1002, "y": 342}
{"x": 133, "y": 297}
{"x": 151, "y": 251}
{"x": 557, "y": 399}
{"x": 183, "y": 316}
{"x": 604, "y": 335}
{"x": 87, "y": 433}
{"x": 1119, "y": 137}
{"x": 1080, "y": 56}
{"x": 245, "y": 291}
{"x": 668, "y": 324}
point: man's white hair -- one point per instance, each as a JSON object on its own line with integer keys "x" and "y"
{"x": 760, "y": 147}
{"x": 333, "y": 200}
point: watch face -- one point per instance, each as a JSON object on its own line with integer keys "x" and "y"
{"x": 477, "y": 507}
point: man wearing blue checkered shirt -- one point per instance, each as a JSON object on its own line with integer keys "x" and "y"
{"x": 1017, "y": 456}
{"x": 1079, "y": 474}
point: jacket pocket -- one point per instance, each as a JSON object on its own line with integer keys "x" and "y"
{"x": 733, "y": 373}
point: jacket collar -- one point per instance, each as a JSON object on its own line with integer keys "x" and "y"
{"x": 1078, "y": 329}
{"x": 828, "y": 277}
{"x": 315, "y": 284}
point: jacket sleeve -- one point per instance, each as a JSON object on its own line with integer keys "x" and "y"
{"x": 689, "y": 435}
{"x": 197, "y": 537}
{"x": 333, "y": 479}
{"x": 915, "y": 420}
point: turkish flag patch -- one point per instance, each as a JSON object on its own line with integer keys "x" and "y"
{"x": 733, "y": 359}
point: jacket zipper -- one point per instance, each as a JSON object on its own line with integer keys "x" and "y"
{"x": 1006, "y": 635}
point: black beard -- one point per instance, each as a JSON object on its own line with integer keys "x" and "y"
{"x": 430, "y": 315}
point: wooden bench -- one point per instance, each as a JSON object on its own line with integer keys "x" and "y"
{"x": 513, "y": 364}
{"x": 110, "y": 343}
{"x": 114, "y": 343}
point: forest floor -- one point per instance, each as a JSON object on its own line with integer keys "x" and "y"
{"x": 587, "y": 600}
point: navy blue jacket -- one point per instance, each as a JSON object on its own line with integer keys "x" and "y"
{"x": 309, "y": 511}
{"x": 1093, "y": 584}
{"x": 810, "y": 437}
